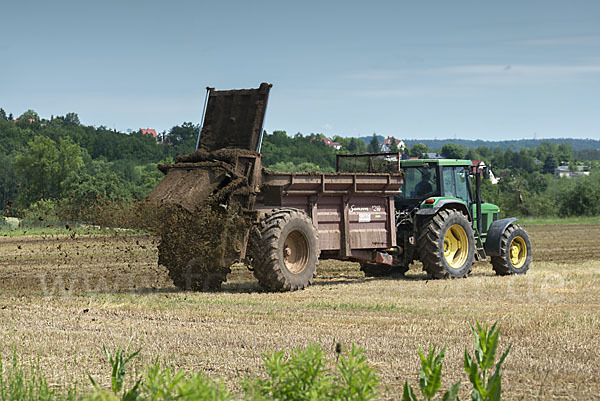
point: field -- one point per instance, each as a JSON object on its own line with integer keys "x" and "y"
{"x": 62, "y": 297}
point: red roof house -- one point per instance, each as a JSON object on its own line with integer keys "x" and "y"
{"x": 149, "y": 131}
{"x": 329, "y": 142}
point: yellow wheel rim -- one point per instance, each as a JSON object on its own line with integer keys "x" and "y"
{"x": 517, "y": 252}
{"x": 456, "y": 246}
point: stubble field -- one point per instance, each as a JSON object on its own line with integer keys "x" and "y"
{"x": 63, "y": 297}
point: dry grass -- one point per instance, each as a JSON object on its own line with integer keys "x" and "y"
{"x": 62, "y": 298}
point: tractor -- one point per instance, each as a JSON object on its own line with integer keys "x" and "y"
{"x": 442, "y": 221}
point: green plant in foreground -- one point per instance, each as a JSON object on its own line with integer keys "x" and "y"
{"x": 485, "y": 387}
{"x": 20, "y": 384}
{"x": 305, "y": 376}
{"x": 168, "y": 385}
{"x": 430, "y": 378}
{"x": 118, "y": 363}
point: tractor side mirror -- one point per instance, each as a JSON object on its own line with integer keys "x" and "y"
{"x": 486, "y": 172}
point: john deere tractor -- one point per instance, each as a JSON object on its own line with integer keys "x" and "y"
{"x": 442, "y": 221}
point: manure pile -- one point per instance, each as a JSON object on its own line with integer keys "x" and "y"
{"x": 200, "y": 217}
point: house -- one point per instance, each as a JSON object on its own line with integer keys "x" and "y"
{"x": 386, "y": 145}
{"x": 149, "y": 132}
{"x": 565, "y": 171}
{"x": 329, "y": 142}
{"x": 480, "y": 165}
{"x": 434, "y": 155}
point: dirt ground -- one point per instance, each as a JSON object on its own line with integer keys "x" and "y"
{"x": 62, "y": 298}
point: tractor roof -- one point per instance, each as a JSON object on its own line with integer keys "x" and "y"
{"x": 441, "y": 162}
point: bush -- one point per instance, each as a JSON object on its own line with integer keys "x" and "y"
{"x": 305, "y": 376}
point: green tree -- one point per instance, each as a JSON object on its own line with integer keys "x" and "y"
{"x": 29, "y": 115}
{"x": 44, "y": 167}
{"x": 8, "y": 182}
{"x": 183, "y": 133}
{"x": 419, "y": 150}
{"x": 453, "y": 151}
{"x": 564, "y": 153}
{"x": 550, "y": 164}
{"x": 581, "y": 199}
{"x": 3, "y": 115}
{"x": 374, "y": 145}
{"x": 472, "y": 154}
{"x": 72, "y": 119}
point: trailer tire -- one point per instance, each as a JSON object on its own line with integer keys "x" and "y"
{"x": 515, "y": 252}
{"x": 446, "y": 245}
{"x": 284, "y": 250}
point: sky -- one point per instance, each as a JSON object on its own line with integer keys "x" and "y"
{"x": 410, "y": 69}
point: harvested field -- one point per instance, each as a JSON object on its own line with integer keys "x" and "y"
{"x": 62, "y": 298}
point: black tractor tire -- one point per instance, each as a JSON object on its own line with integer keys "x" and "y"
{"x": 284, "y": 250}
{"x": 381, "y": 270}
{"x": 515, "y": 252}
{"x": 438, "y": 235}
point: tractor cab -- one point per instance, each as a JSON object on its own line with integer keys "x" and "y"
{"x": 427, "y": 178}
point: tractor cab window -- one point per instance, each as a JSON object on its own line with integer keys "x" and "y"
{"x": 419, "y": 182}
{"x": 462, "y": 186}
{"x": 455, "y": 183}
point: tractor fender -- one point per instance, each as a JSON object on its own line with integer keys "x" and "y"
{"x": 444, "y": 204}
{"x": 493, "y": 238}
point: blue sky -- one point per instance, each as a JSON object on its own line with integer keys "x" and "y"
{"x": 411, "y": 69}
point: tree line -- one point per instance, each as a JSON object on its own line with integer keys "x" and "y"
{"x": 59, "y": 160}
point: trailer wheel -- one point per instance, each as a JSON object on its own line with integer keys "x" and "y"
{"x": 284, "y": 248}
{"x": 446, "y": 245}
{"x": 381, "y": 270}
{"x": 515, "y": 252}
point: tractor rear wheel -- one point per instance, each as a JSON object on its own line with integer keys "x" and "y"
{"x": 284, "y": 250}
{"x": 381, "y": 270}
{"x": 515, "y": 252}
{"x": 446, "y": 245}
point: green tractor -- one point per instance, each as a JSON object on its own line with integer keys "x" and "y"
{"x": 442, "y": 222}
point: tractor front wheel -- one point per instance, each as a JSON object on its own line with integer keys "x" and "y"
{"x": 446, "y": 245}
{"x": 515, "y": 252}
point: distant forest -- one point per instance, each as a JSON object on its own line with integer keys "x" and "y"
{"x": 57, "y": 163}
{"x": 515, "y": 144}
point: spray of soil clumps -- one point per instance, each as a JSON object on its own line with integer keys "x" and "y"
{"x": 201, "y": 210}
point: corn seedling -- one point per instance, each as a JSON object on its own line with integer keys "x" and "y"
{"x": 430, "y": 378}
{"x": 118, "y": 364}
{"x": 485, "y": 387}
